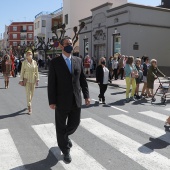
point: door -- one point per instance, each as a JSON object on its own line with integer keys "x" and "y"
{"x": 99, "y": 51}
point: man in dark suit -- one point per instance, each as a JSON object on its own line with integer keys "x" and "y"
{"x": 65, "y": 81}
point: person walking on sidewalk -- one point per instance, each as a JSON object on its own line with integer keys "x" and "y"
{"x": 65, "y": 80}
{"x": 121, "y": 66}
{"x": 145, "y": 68}
{"x": 139, "y": 78}
{"x": 103, "y": 76}
{"x": 110, "y": 65}
{"x": 87, "y": 63}
{"x": 130, "y": 74}
{"x": 115, "y": 67}
{"x": 29, "y": 77}
{"x": 152, "y": 75}
{"x": 6, "y": 69}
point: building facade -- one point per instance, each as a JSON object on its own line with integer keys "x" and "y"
{"x": 129, "y": 29}
{"x": 20, "y": 33}
{"x": 44, "y": 21}
{"x": 74, "y": 10}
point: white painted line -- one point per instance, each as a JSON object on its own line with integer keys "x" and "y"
{"x": 46, "y": 83}
{"x": 168, "y": 109}
{"x": 143, "y": 127}
{"x": 155, "y": 115}
{"x": 81, "y": 159}
{"x": 112, "y": 107}
{"x": 9, "y": 156}
{"x": 144, "y": 156}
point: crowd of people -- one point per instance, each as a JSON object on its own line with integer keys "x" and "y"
{"x": 27, "y": 68}
{"x": 67, "y": 78}
{"x": 134, "y": 71}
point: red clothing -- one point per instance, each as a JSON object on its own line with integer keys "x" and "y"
{"x": 87, "y": 62}
{"x": 13, "y": 60}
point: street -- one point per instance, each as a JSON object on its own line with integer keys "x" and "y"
{"x": 114, "y": 136}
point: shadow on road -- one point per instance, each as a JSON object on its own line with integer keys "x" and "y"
{"x": 45, "y": 164}
{"x": 118, "y": 93}
{"x": 39, "y": 87}
{"x": 155, "y": 143}
{"x": 19, "y": 113}
{"x": 91, "y": 105}
{"x": 118, "y": 103}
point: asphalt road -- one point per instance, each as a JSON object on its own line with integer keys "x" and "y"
{"x": 115, "y": 136}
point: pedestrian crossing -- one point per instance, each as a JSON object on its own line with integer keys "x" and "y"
{"x": 82, "y": 159}
{"x": 9, "y": 156}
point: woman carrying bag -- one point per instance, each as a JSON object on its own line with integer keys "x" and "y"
{"x": 131, "y": 74}
{"x": 6, "y": 69}
{"x": 102, "y": 77}
{"x": 29, "y": 77}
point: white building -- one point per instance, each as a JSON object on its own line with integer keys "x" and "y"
{"x": 74, "y": 10}
{"x": 5, "y": 38}
{"x": 130, "y": 29}
{"x": 42, "y": 25}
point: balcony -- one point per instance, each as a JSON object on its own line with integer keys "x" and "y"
{"x": 23, "y": 38}
{"x": 23, "y": 30}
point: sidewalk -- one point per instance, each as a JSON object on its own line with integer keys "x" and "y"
{"x": 116, "y": 83}
{"x": 122, "y": 84}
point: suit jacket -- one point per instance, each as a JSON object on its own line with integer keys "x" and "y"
{"x": 100, "y": 74}
{"x": 63, "y": 86}
{"x": 29, "y": 71}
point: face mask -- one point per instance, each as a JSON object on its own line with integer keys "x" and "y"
{"x": 68, "y": 49}
{"x": 29, "y": 56}
{"x": 103, "y": 62}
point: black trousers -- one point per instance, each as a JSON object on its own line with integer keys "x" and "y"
{"x": 66, "y": 124}
{"x": 115, "y": 74}
{"x": 121, "y": 73}
{"x": 103, "y": 88}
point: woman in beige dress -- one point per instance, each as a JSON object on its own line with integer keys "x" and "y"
{"x": 6, "y": 69}
{"x": 29, "y": 78}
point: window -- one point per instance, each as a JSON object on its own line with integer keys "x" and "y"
{"x": 30, "y": 36}
{"x": 24, "y": 27}
{"x": 14, "y": 28}
{"x": 66, "y": 19}
{"x": 38, "y": 24}
{"x": 43, "y": 23}
{"x": 30, "y": 28}
{"x": 15, "y": 44}
{"x": 14, "y": 36}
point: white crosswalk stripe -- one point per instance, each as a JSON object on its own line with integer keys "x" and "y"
{"x": 9, "y": 156}
{"x": 154, "y": 115}
{"x": 168, "y": 109}
{"x": 143, "y": 127}
{"x": 81, "y": 159}
{"x": 127, "y": 146}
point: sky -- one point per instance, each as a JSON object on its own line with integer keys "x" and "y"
{"x": 20, "y": 10}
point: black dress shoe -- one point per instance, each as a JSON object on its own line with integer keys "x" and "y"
{"x": 67, "y": 158}
{"x": 70, "y": 143}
